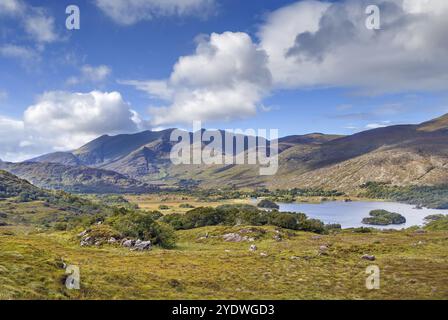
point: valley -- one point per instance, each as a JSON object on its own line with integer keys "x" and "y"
{"x": 139, "y": 227}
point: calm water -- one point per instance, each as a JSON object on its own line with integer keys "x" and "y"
{"x": 350, "y": 214}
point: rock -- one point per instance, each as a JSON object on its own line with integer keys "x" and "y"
{"x": 368, "y": 257}
{"x": 253, "y": 248}
{"x": 234, "y": 237}
{"x": 278, "y": 238}
{"x": 263, "y": 254}
{"x": 86, "y": 241}
{"x": 98, "y": 243}
{"x": 420, "y": 231}
{"x": 295, "y": 258}
{"x": 323, "y": 249}
{"x": 112, "y": 240}
{"x": 82, "y": 234}
{"x": 142, "y": 245}
{"x": 128, "y": 243}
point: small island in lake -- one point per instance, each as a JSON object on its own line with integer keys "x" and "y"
{"x": 384, "y": 218}
{"x": 268, "y": 204}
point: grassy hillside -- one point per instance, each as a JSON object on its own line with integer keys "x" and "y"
{"x": 12, "y": 186}
{"x": 78, "y": 179}
{"x": 412, "y": 265}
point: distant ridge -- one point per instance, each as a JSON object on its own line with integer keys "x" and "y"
{"x": 401, "y": 154}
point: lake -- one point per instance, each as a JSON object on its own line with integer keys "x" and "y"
{"x": 350, "y": 214}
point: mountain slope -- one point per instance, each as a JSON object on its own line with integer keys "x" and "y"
{"x": 75, "y": 178}
{"x": 12, "y": 186}
{"x": 402, "y": 154}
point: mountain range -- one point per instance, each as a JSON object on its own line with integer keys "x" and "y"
{"x": 401, "y": 155}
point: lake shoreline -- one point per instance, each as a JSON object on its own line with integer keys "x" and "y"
{"x": 349, "y": 214}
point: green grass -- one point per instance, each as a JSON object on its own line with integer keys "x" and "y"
{"x": 414, "y": 266}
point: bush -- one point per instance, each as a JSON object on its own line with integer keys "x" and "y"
{"x": 163, "y": 207}
{"x": 175, "y": 220}
{"x": 284, "y": 220}
{"x": 267, "y": 204}
{"x": 201, "y": 217}
{"x": 362, "y": 230}
{"x": 163, "y": 235}
{"x": 312, "y": 225}
{"x": 440, "y": 224}
{"x": 103, "y": 231}
{"x": 60, "y": 226}
{"x": 242, "y": 214}
{"x": 144, "y": 226}
{"x": 186, "y": 206}
{"x": 333, "y": 226}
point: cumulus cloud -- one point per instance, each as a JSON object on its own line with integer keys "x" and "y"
{"x": 127, "y": 12}
{"x": 65, "y": 121}
{"x": 226, "y": 78}
{"x": 91, "y": 74}
{"x": 316, "y": 43}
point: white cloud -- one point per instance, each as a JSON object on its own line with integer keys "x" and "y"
{"x": 155, "y": 89}
{"x": 127, "y": 12}
{"x": 11, "y": 7}
{"x": 11, "y": 134}
{"x": 65, "y": 121}
{"x": 91, "y": 74}
{"x": 316, "y": 43}
{"x": 36, "y": 21}
{"x": 40, "y": 26}
{"x": 226, "y": 78}
{"x": 382, "y": 124}
{"x": 18, "y": 52}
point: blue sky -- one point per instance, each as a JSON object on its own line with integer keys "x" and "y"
{"x": 134, "y": 49}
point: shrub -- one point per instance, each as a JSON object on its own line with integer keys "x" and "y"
{"x": 163, "y": 207}
{"x": 175, "y": 220}
{"x": 284, "y": 220}
{"x": 60, "y": 226}
{"x": 186, "y": 206}
{"x": 103, "y": 231}
{"x": 201, "y": 217}
{"x": 143, "y": 226}
{"x": 267, "y": 204}
{"x": 163, "y": 235}
{"x": 312, "y": 225}
{"x": 440, "y": 224}
{"x": 333, "y": 226}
